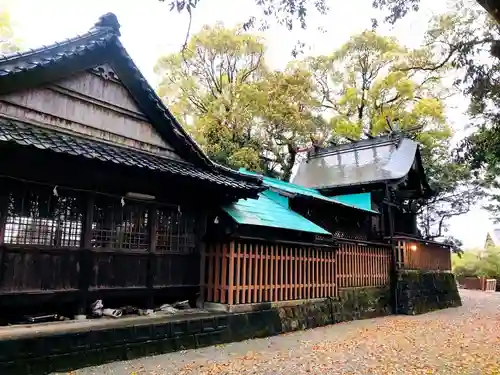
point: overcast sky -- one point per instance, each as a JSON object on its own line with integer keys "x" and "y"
{"x": 149, "y": 30}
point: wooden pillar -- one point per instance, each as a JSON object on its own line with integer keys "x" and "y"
{"x": 202, "y": 250}
{"x": 4, "y": 208}
{"x": 230, "y": 287}
{"x": 394, "y": 265}
{"x": 151, "y": 265}
{"x": 86, "y": 254}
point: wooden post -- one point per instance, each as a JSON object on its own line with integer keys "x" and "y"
{"x": 211, "y": 278}
{"x": 218, "y": 263}
{"x": 4, "y": 208}
{"x": 394, "y": 265}
{"x": 267, "y": 290}
{"x": 244, "y": 280}
{"x": 202, "y": 250}
{"x": 256, "y": 266}
{"x": 151, "y": 265}
{"x": 282, "y": 270}
{"x": 275, "y": 284}
{"x": 86, "y": 255}
{"x": 238, "y": 273}
{"x": 223, "y": 282}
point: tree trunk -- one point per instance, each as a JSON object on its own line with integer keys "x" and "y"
{"x": 288, "y": 165}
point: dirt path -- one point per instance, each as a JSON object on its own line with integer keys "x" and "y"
{"x": 455, "y": 341}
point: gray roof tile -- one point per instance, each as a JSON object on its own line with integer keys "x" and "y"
{"x": 25, "y": 134}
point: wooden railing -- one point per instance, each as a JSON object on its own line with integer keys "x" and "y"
{"x": 240, "y": 272}
{"x": 417, "y": 254}
{"x": 363, "y": 265}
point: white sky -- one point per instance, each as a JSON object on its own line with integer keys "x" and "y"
{"x": 150, "y": 30}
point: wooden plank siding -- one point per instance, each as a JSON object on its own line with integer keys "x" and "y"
{"x": 420, "y": 255}
{"x": 93, "y": 104}
{"x": 243, "y": 272}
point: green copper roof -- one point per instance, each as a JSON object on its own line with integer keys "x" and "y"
{"x": 361, "y": 200}
{"x": 288, "y": 187}
{"x": 265, "y": 211}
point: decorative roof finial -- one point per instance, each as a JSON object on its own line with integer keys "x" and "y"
{"x": 108, "y": 21}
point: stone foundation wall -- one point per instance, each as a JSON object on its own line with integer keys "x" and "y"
{"x": 60, "y": 350}
{"x": 64, "y": 351}
{"x": 352, "y": 304}
{"x": 421, "y": 292}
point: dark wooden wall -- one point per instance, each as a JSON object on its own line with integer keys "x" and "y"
{"x": 74, "y": 247}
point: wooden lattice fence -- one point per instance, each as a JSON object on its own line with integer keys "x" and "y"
{"x": 243, "y": 272}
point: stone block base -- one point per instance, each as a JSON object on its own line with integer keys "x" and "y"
{"x": 61, "y": 349}
{"x": 421, "y": 292}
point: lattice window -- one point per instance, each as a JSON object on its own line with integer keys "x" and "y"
{"x": 120, "y": 226}
{"x": 176, "y": 231}
{"x": 35, "y": 216}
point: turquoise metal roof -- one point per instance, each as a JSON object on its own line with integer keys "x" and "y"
{"x": 361, "y": 200}
{"x": 267, "y": 212}
{"x": 288, "y": 187}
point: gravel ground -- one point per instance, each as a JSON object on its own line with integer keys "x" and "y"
{"x": 454, "y": 341}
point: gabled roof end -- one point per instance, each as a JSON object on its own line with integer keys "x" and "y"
{"x": 109, "y": 22}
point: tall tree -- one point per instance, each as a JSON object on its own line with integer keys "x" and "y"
{"x": 463, "y": 39}
{"x": 241, "y": 113}
{"x": 284, "y": 114}
{"x": 204, "y": 84}
{"x": 365, "y": 82}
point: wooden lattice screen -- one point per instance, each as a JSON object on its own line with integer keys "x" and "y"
{"x": 363, "y": 265}
{"x": 239, "y": 272}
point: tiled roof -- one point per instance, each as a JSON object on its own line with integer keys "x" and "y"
{"x": 98, "y": 46}
{"x": 47, "y": 139}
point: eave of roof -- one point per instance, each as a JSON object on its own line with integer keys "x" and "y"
{"x": 34, "y": 67}
{"x": 266, "y": 212}
{"x": 28, "y": 135}
{"x": 290, "y": 188}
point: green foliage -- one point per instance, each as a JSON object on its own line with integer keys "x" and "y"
{"x": 364, "y": 82}
{"x": 368, "y": 80}
{"x": 205, "y": 85}
{"x": 241, "y": 113}
{"x": 478, "y": 263}
{"x": 398, "y": 9}
{"x": 8, "y": 43}
{"x": 282, "y": 103}
{"x": 463, "y": 39}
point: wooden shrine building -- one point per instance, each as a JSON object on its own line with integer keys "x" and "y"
{"x": 290, "y": 243}
{"x": 389, "y": 170}
{"x": 99, "y": 184}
